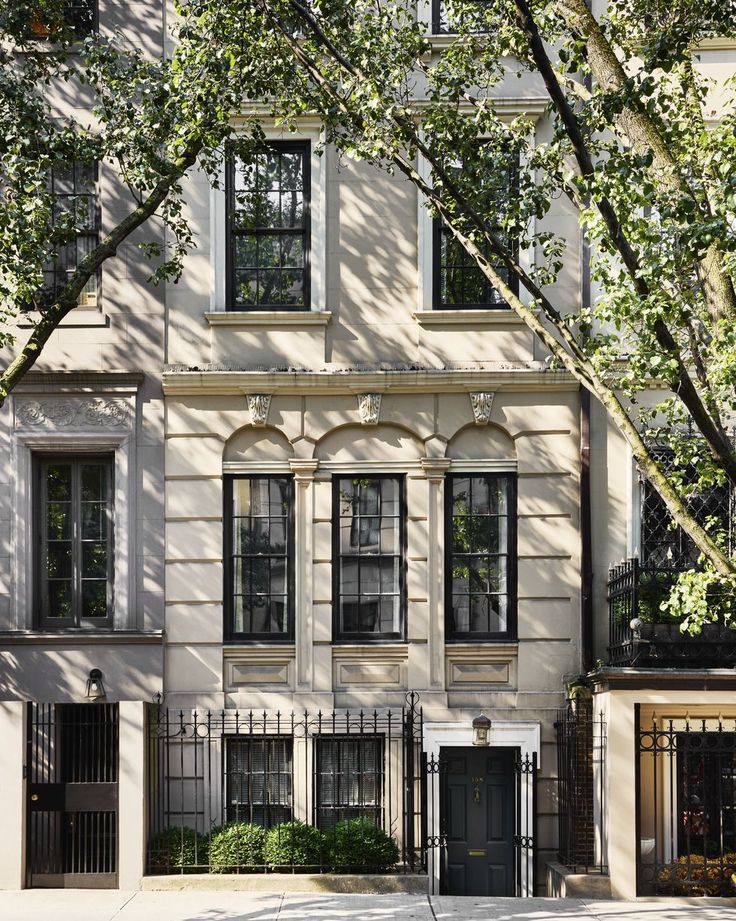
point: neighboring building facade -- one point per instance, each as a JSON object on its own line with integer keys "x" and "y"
{"x": 327, "y": 469}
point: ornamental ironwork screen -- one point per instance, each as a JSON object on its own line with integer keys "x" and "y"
{"x": 240, "y": 791}
{"x": 686, "y": 806}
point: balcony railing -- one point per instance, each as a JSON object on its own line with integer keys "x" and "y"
{"x": 635, "y": 593}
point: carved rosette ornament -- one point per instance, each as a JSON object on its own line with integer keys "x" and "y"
{"x": 258, "y": 406}
{"x": 482, "y": 404}
{"x": 369, "y": 408}
{"x": 71, "y": 413}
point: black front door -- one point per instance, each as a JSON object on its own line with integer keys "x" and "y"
{"x": 72, "y": 769}
{"x": 479, "y": 820}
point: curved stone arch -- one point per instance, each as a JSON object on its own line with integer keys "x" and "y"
{"x": 369, "y": 444}
{"x": 482, "y": 443}
{"x": 262, "y": 444}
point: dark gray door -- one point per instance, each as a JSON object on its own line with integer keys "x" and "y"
{"x": 479, "y": 820}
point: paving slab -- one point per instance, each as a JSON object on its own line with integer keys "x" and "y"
{"x": 96, "y": 905}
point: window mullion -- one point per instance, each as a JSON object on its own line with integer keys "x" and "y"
{"x": 76, "y": 544}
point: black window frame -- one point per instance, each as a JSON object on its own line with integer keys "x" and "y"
{"x": 437, "y": 17}
{"x": 338, "y": 635}
{"x": 231, "y": 636}
{"x": 70, "y": 21}
{"x": 510, "y": 634}
{"x": 246, "y": 810}
{"x": 76, "y": 622}
{"x": 58, "y": 274}
{"x": 374, "y": 813}
{"x": 440, "y": 230}
{"x": 304, "y": 147}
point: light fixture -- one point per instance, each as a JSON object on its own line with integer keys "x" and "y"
{"x": 481, "y": 730}
{"x": 95, "y": 687}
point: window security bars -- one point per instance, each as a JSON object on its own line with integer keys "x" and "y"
{"x": 368, "y": 549}
{"x": 581, "y": 772}
{"x": 229, "y": 790}
{"x": 686, "y": 806}
{"x": 268, "y": 228}
{"x": 73, "y": 187}
{"x": 350, "y": 780}
{"x": 635, "y": 593}
{"x": 259, "y": 539}
{"x": 74, "y": 520}
{"x": 480, "y": 540}
{"x": 667, "y": 547}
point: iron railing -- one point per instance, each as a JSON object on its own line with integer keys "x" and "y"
{"x": 581, "y": 772}
{"x": 635, "y": 593}
{"x": 686, "y": 806}
{"x": 234, "y": 791}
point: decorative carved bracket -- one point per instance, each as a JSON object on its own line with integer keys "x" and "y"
{"x": 258, "y": 406}
{"x": 369, "y": 407}
{"x": 482, "y": 404}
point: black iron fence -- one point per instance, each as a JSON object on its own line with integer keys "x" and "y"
{"x": 686, "y": 807}
{"x": 635, "y": 593}
{"x": 233, "y": 791}
{"x": 581, "y": 771}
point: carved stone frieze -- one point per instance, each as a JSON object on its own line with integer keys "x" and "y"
{"x": 369, "y": 408}
{"x": 71, "y": 413}
{"x": 258, "y": 406}
{"x": 482, "y": 404}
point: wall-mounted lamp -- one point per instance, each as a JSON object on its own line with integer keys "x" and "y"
{"x": 481, "y": 730}
{"x": 95, "y": 687}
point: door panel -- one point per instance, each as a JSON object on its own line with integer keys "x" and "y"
{"x": 480, "y": 821}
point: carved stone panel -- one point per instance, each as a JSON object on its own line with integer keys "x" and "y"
{"x": 258, "y": 406}
{"x": 369, "y": 408}
{"x": 482, "y": 404}
{"x": 71, "y": 413}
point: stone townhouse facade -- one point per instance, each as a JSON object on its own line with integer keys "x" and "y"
{"x": 247, "y": 516}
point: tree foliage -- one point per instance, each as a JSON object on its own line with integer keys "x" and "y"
{"x": 641, "y": 145}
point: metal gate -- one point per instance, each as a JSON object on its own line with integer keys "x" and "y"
{"x": 525, "y": 833}
{"x": 72, "y": 771}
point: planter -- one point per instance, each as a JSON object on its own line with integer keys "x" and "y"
{"x": 663, "y": 644}
{"x": 365, "y": 883}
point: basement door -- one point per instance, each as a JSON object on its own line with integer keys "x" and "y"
{"x": 479, "y": 819}
{"x": 72, "y": 771}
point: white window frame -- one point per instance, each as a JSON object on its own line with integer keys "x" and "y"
{"x": 317, "y": 220}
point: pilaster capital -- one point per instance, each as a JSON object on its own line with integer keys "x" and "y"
{"x": 435, "y": 468}
{"x": 303, "y": 469}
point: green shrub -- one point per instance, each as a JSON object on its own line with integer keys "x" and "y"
{"x": 359, "y": 844}
{"x": 178, "y": 848}
{"x": 292, "y": 843}
{"x": 236, "y": 845}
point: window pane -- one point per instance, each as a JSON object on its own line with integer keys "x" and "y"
{"x": 268, "y": 211}
{"x": 260, "y": 564}
{"x": 259, "y": 780}
{"x": 349, "y": 780}
{"x": 478, "y": 555}
{"x": 75, "y": 525}
{"x": 368, "y": 511}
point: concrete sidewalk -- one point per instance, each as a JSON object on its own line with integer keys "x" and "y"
{"x": 86, "y": 905}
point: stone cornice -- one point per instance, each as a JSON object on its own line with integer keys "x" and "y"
{"x": 354, "y": 382}
{"x": 80, "y": 382}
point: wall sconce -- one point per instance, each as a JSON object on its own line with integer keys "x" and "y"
{"x": 95, "y": 687}
{"x": 481, "y": 730}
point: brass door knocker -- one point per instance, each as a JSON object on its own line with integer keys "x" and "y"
{"x": 477, "y": 781}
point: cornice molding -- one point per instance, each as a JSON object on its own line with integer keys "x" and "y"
{"x": 199, "y": 382}
{"x": 54, "y": 382}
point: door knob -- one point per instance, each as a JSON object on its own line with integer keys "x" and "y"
{"x": 34, "y": 797}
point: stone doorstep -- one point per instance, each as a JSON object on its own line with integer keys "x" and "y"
{"x": 360, "y": 883}
{"x": 564, "y": 883}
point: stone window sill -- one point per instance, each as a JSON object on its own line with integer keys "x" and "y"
{"x": 442, "y": 319}
{"x": 272, "y": 318}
